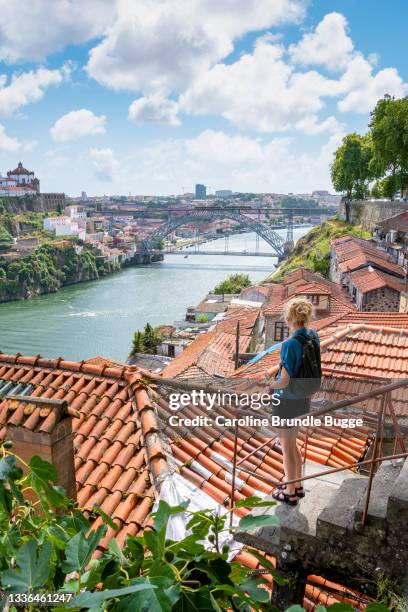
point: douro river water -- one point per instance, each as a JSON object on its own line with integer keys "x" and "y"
{"x": 100, "y": 317}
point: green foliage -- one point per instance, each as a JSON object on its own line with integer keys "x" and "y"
{"x": 389, "y": 134}
{"x": 202, "y": 318}
{"x": 146, "y": 341}
{"x": 6, "y": 239}
{"x": 351, "y": 170}
{"x": 41, "y": 550}
{"x": 45, "y": 270}
{"x": 233, "y": 284}
{"x": 380, "y": 154}
{"x": 312, "y": 251}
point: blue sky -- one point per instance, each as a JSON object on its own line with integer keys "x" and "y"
{"x": 152, "y": 96}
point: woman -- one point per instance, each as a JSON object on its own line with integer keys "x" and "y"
{"x": 298, "y": 314}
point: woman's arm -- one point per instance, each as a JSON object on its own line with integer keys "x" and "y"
{"x": 283, "y": 381}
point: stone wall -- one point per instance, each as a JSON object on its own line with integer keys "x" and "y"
{"x": 43, "y": 202}
{"x": 384, "y": 299}
{"x": 369, "y": 213}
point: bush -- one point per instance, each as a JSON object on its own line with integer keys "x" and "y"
{"x": 233, "y": 284}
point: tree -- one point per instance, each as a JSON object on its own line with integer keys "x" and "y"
{"x": 138, "y": 344}
{"x": 389, "y": 135}
{"x": 146, "y": 341}
{"x": 351, "y": 170}
{"x": 6, "y": 239}
{"x": 233, "y": 284}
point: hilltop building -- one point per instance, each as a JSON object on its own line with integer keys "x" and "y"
{"x": 21, "y": 182}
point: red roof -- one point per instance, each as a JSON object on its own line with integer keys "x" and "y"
{"x": 352, "y": 253}
{"x": 369, "y": 279}
{"x": 19, "y": 170}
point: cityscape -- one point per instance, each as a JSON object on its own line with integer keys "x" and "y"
{"x": 204, "y": 307}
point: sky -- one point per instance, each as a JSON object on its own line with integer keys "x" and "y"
{"x": 153, "y": 96}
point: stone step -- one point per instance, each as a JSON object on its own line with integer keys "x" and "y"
{"x": 383, "y": 483}
{"x": 294, "y": 521}
{"x": 397, "y": 507}
{"x": 337, "y": 519}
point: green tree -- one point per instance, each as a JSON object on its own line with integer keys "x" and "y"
{"x": 138, "y": 343}
{"x": 233, "y": 284}
{"x": 389, "y": 135}
{"x": 6, "y": 239}
{"x": 351, "y": 169}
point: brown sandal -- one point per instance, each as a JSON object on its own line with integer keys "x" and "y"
{"x": 281, "y": 496}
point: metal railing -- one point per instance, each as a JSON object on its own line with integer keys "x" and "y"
{"x": 386, "y": 407}
{"x": 384, "y": 392}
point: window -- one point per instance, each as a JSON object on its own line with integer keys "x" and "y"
{"x": 281, "y": 331}
{"x": 314, "y": 299}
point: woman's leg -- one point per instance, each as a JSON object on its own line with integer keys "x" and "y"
{"x": 292, "y": 458}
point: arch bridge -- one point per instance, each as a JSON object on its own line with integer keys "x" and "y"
{"x": 275, "y": 241}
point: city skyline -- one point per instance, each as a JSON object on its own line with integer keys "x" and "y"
{"x": 152, "y": 98}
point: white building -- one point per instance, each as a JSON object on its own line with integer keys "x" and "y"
{"x": 64, "y": 226}
{"x": 19, "y": 182}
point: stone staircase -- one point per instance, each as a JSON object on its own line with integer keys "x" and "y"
{"x": 323, "y": 534}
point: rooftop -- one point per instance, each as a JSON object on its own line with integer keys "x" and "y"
{"x": 352, "y": 253}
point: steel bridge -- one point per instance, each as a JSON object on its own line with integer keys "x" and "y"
{"x": 278, "y": 244}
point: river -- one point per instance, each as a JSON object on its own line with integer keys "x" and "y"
{"x": 99, "y": 317}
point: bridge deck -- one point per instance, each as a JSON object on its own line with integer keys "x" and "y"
{"x": 241, "y": 253}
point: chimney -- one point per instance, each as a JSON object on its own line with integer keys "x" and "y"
{"x": 42, "y": 426}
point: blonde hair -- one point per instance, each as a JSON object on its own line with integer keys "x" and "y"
{"x": 298, "y": 311}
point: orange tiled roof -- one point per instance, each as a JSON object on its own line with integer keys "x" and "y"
{"x": 120, "y": 458}
{"x": 369, "y": 279}
{"x": 214, "y": 352}
{"x": 118, "y": 454}
{"x": 353, "y": 253}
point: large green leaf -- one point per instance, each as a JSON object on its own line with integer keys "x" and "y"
{"x": 376, "y": 607}
{"x": 254, "y": 502}
{"x": 79, "y": 550}
{"x": 342, "y": 607}
{"x": 89, "y": 600}
{"x": 295, "y": 608}
{"x": 251, "y": 586}
{"x": 161, "y": 599}
{"x": 32, "y": 568}
{"x": 40, "y": 476}
{"x": 249, "y": 522}
{"x": 163, "y": 513}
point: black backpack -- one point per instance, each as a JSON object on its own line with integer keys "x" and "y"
{"x": 309, "y": 377}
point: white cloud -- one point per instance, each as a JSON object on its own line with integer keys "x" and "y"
{"x": 232, "y": 161}
{"x": 264, "y": 90}
{"x": 164, "y": 45}
{"x": 362, "y": 88}
{"x": 10, "y": 144}
{"x": 28, "y": 87}
{"x": 154, "y": 108}
{"x": 310, "y": 125}
{"x": 259, "y": 91}
{"x": 328, "y": 45}
{"x": 104, "y": 164}
{"x": 35, "y": 28}
{"x": 76, "y": 124}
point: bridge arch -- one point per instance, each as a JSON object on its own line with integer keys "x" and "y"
{"x": 276, "y": 242}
